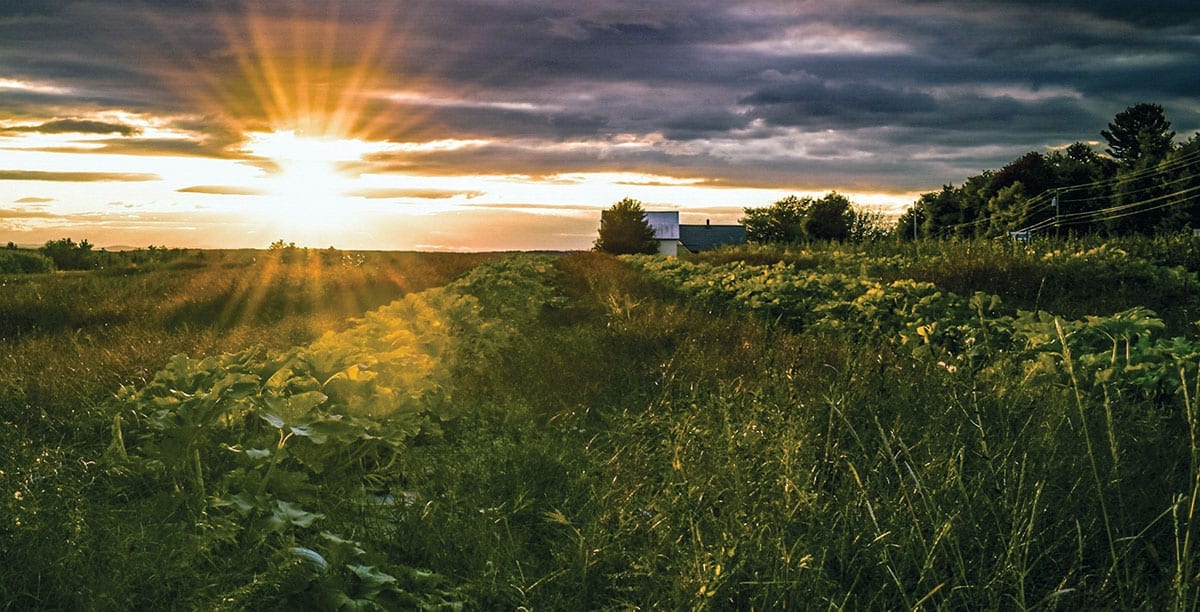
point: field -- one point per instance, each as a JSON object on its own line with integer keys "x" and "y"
{"x": 938, "y": 425}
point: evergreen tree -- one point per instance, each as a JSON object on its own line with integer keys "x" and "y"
{"x": 1139, "y": 138}
{"x": 1137, "y": 133}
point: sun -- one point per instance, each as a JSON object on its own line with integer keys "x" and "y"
{"x": 304, "y": 178}
{"x": 296, "y": 90}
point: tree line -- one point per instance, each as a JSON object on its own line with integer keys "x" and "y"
{"x": 66, "y": 254}
{"x": 831, "y": 217}
{"x": 1142, "y": 183}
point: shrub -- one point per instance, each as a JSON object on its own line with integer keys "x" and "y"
{"x": 16, "y": 261}
{"x": 68, "y": 255}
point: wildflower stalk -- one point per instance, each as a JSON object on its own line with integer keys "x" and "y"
{"x": 1087, "y": 438}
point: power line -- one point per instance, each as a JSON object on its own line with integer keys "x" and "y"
{"x": 1182, "y": 160}
{"x": 1114, "y": 212}
{"x": 988, "y": 219}
{"x": 1053, "y": 198}
{"x": 1181, "y": 178}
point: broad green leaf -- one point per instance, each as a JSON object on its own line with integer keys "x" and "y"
{"x": 286, "y": 513}
{"x": 371, "y": 577}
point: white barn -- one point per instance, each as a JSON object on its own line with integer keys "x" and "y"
{"x": 666, "y": 230}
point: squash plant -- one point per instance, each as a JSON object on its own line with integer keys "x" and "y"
{"x": 263, "y": 451}
{"x": 291, "y": 456}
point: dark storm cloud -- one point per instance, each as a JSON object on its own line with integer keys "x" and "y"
{"x": 478, "y": 121}
{"x": 824, "y": 93}
{"x": 703, "y": 124}
{"x": 952, "y": 118}
{"x": 10, "y": 8}
{"x": 1157, "y": 13}
{"x": 813, "y": 101}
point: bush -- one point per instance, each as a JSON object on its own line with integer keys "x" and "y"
{"x": 16, "y": 261}
{"x": 68, "y": 255}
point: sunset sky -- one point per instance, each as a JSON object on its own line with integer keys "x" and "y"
{"x": 510, "y": 124}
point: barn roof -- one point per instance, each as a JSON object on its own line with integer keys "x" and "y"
{"x": 705, "y": 237}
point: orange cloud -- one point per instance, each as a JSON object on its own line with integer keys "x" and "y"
{"x": 423, "y": 194}
{"x": 76, "y": 177}
{"x": 222, "y": 190}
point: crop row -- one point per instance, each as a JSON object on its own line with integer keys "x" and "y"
{"x": 293, "y": 453}
{"x": 973, "y": 334}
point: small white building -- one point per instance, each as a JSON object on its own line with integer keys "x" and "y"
{"x": 666, "y": 230}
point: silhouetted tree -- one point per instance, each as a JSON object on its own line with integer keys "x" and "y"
{"x": 782, "y": 221}
{"x": 1139, "y": 138}
{"x": 624, "y": 230}
{"x": 829, "y": 218}
{"x": 867, "y": 225}
{"x": 941, "y": 210}
{"x": 1031, "y": 169}
{"x": 1184, "y": 179}
{"x": 1007, "y": 210}
{"x": 1133, "y": 190}
{"x": 1084, "y": 178}
{"x": 973, "y": 197}
{"x": 1139, "y": 132}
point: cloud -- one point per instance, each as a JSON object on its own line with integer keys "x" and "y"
{"x": 222, "y": 190}
{"x": 568, "y": 208}
{"x": 422, "y": 194}
{"x": 75, "y": 177}
{"x": 162, "y": 147}
{"x": 34, "y": 200}
{"x": 704, "y": 124}
{"x": 21, "y": 213}
{"x": 811, "y": 100}
{"x": 78, "y": 126}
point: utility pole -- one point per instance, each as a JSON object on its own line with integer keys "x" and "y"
{"x": 1056, "y": 216}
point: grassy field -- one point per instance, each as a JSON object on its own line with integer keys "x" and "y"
{"x": 936, "y": 425}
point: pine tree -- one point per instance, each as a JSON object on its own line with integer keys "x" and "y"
{"x": 1138, "y": 133}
